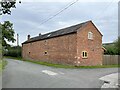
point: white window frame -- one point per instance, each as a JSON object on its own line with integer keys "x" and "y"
{"x": 90, "y": 35}
{"x": 84, "y": 56}
{"x": 46, "y": 53}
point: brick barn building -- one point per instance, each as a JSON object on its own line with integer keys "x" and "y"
{"x": 80, "y": 44}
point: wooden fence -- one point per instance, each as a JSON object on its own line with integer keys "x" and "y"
{"x": 110, "y": 59}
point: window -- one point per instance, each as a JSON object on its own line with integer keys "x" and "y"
{"x": 46, "y": 52}
{"x": 84, "y": 54}
{"x": 90, "y": 35}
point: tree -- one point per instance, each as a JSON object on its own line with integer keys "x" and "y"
{"x": 110, "y": 49}
{"x": 0, "y": 43}
{"x": 113, "y": 48}
{"x": 6, "y": 29}
{"x": 7, "y": 33}
{"x": 14, "y": 51}
{"x": 117, "y": 45}
{"x": 6, "y": 6}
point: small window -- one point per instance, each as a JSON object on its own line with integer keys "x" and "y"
{"x": 90, "y": 35}
{"x": 46, "y": 52}
{"x": 84, "y": 54}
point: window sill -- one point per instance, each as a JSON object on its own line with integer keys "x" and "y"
{"x": 84, "y": 57}
{"x": 90, "y": 39}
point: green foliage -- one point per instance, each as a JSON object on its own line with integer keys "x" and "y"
{"x": 6, "y": 29}
{"x": 7, "y": 33}
{"x": 3, "y": 63}
{"x": 0, "y": 42}
{"x": 114, "y": 48}
{"x": 117, "y": 45}
{"x": 6, "y": 6}
{"x": 13, "y": 51}
{"x": 111, "y": 50}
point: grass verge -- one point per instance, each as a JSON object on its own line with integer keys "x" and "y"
{"x": 17, "y": 58}
{"x": 69, "y": 66}
{"x": 64, "y": 66}
{"x": 3, "y": 63}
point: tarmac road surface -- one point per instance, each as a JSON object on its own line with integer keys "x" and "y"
{"x": 20, "y": 74}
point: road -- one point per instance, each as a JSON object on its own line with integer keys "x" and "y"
{"x": 20, "y": 74}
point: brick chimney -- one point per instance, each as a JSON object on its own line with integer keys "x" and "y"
{"x": 40, "y": 34}
{"x": 28, "y": 37}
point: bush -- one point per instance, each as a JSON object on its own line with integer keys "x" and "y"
{"x": 111, "y": 50}
{"x": 13, "y": 51}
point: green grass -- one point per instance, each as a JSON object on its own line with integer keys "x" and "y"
{"x": 51, "y": 64}
{"x": 69, "y": 66}
{"x": 3, "y": 63}
{"x": 0, "y": 66}
{"x": 64, "y": 66}
{"x": 17, "y": 58}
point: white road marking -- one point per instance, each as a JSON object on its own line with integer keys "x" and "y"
{"x": 49, "y": 72}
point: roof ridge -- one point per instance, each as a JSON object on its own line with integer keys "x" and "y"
{"x": 64, "y": 28}
{"x": 62, "y": 31}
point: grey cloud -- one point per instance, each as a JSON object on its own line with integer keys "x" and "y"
{"x": 27, "y": 17}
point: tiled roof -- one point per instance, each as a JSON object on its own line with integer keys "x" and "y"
{"x": 61, "y": 32}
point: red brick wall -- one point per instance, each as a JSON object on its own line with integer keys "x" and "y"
{"x": 93, "y": 47}
{"x": 68, "y": 49}
{"x": 59, "y": 50}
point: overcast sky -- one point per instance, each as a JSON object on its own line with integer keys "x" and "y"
{"x": 28, "y": 16}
